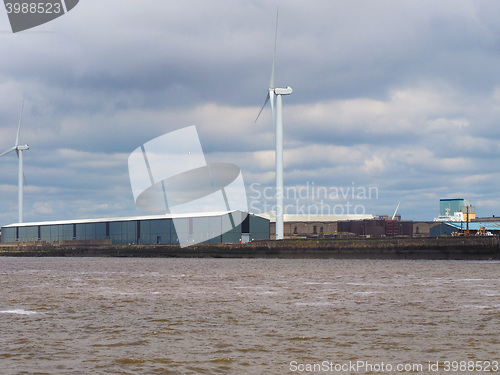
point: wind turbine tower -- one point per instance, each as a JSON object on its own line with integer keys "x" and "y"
{"x": 277, "y": 93}
{"x": 19, "y": 151}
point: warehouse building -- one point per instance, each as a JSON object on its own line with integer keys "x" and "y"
{"x": 309, "y": 225}
{"x": 475, "y": 228}
{"x": 377, "y": 228}
{"x": 158, "y": 229}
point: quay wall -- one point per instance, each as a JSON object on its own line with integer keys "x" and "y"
{"x": 458, "y": 248}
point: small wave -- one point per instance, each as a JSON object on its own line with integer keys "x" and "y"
{"x": 315, "y": 303}
{"x": 18, "y": 312}
{"x": 477, "y": 306}
{"x": 369, "y": 292}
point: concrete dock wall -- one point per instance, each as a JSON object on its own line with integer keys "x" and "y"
{"x": 481, "y": 248}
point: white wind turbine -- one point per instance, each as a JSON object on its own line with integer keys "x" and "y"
{"x": 19, "y": 151}
{"x": 273, "y": 92}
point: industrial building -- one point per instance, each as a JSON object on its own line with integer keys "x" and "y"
{"x": 456, "y": 209}
{"x": 458, "y": 217}
{"x": 475, "y": 228}
{"x": 423, "y": 228}
{"x": 296, "y": 225}
{"x": 377, "y": 228}
{"x": 334, "y": 226}
{"x": 158, "y": 229}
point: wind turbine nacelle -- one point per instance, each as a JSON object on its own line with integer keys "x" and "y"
{"x": 287, "y": 91}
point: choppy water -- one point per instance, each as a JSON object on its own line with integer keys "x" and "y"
{"x": 244, "y": 316}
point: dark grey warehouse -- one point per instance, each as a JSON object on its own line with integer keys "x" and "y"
{"x": 158, "y": 229}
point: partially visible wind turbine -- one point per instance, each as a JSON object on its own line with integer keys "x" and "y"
{"x": 19, "y": 151}
{"x": 395, "y": 212}
{"x": 273, "y": 92}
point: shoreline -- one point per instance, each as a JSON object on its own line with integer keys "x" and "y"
{"x": 433, "y": 248}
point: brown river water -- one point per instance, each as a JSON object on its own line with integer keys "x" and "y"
{"x": 248, "y": 316}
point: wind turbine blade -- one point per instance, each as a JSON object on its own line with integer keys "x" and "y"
{"x": 271, "y": 81}
{"x": 263, "y": 106}
{"x": 25, "y": 182}
{"x": 19, "y": 126}
{"x": 395, "y": 212}
{"x": 9, "y": 150}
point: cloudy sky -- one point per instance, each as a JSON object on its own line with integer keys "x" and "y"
{"x": 396, "y": 101}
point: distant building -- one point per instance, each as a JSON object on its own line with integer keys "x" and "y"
{"x": 334, "y": 226}
{"x": 423, "y": 228}
{"x": 377, "y": 228}
{"x": 157, "y": 229}
{"x": 485, "y": 219}
{"x": 387, "y": 217}
{"x": 456, "y": 209}
{"x": 296, "y": 226}
{"x": 453, "y": 228}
